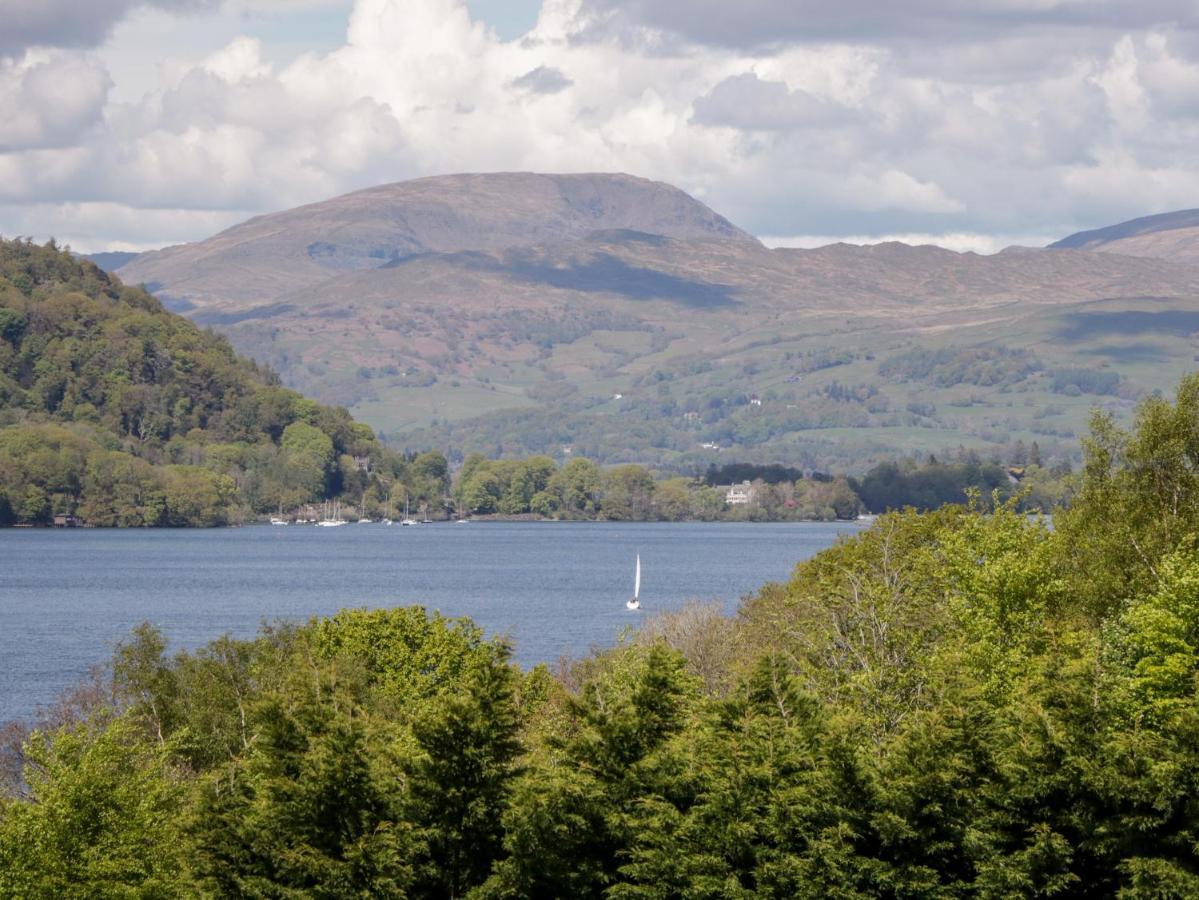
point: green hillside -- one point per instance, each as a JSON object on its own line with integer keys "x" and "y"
{"x": 121, "y": 413}
{"x": 830, "y": 395}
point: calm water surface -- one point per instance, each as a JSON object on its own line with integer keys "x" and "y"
{"x": 66, "y": 596}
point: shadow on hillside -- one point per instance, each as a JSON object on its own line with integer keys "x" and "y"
{"x": 1130, "y": 353}
{"x": 603, "y": 273}
{"x": 1083, "y": 325}
{"x": 232, "y": 318}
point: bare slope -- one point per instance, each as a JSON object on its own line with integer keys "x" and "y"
{"x": 261, "y": 258}
{"x": 1173, "y": 235}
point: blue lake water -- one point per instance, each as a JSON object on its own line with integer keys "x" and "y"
{"x": 67, "y": 596}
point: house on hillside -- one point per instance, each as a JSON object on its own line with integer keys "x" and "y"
{"x": 739, "y": 494}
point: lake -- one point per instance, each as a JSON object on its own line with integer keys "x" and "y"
{"x": 68, "y": 595}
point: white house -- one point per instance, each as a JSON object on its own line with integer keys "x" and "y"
{"x": 739, "y": 494}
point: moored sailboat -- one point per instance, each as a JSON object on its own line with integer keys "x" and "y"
{"x": 331, "y": 521}
{"x": 407, "y": 520}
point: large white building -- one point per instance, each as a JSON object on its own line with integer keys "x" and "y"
{"x": 739, "y": 494}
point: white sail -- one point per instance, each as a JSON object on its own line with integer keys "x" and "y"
{"x": 635, "y": 601}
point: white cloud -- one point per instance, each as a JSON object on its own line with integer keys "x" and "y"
{"x": 849, "y": 130}
{"x": 70, "y": 23}
{"x": 894, "y": 189}
{"x": 240, "y": 60}
{"x": 49, "y": 100}
{"x": 91, "y": 225}
{"x": 747, "y": 102}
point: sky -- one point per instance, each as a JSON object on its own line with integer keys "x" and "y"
{"x": 132, "y": 124}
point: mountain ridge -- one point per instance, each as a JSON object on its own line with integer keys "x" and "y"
{"x": 1163, "y": 235}
{"x": 641, "y": 329}
{"x": 442, "y": 214}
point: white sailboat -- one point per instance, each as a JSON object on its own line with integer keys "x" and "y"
{"x": 635, "y": 603}
{"x": 332, "y": 521}
{"x": 407, "y": 520}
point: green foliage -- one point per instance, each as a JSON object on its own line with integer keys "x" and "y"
{"x": 116, "y": 410}
{"x": 1085, "y": 381}
{"x": 947, "y": 367}
{"x": 582, "y": 490}
{"x": 891, "y": 485}
{"x": 405, "y": 655}
{"x": 1138, "y": 499}
{"x": 102, "y": 817}
{"x": 307, "y": 809}
{"x": 460, "y": 779}
{"x": 732, "y": 473}
{"x": 964, "y": 703}
{"x": 574, "y": 812}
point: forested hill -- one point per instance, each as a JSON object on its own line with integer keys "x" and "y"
{"x": 119, "y": 412}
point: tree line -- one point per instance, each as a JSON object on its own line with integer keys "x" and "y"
{"x": 581, "y": 489}
{"x": 955, "y": 704}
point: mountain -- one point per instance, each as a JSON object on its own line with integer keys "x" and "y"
{"x": 112, "y": 260}
{"x": 1172, "y": 235}
{"x": 378, "y": 226}
{"x": 121, "y": 413}
{"x": 619, "y": 318}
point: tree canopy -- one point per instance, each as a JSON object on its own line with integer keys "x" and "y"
{"x": 122, "y": 413}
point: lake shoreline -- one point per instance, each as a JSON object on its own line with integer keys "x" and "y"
{"x": 474, "y": 520}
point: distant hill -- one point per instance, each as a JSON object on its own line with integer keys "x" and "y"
{"x": 1172, "y": 235}
{"x": 111, "y": 261}
{"x": 619, "y": 318}
{"x": 449, "y": 214}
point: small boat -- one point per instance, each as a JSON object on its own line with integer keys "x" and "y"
{"x": 364, "y": 521}
{"x": 275, "y": 520}
{"x": 407, "y": 520}
{"x": 332, "y": 521}
{"x": 387, "y": 522}
{"x": 635, "y": 603}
